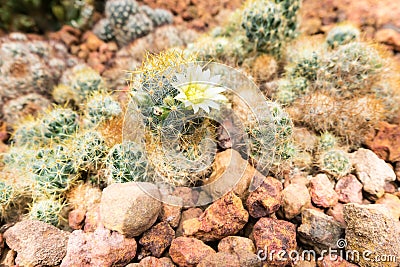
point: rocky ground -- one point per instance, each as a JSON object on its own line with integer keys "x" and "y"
{"x": 302, "y": 209}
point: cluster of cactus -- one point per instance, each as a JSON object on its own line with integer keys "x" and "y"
{"x": 42, "y": 16}
{"x": 338, "y": 88}
{"x": 126, "y": 21}
{"x": 271, "y": 24}
{"x": 28, "y": 71}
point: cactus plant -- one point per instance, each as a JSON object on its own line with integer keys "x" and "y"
{"x": 126, "y": 162}
{"x": 60, "y": 123}
{"x": 341, "y": 35}
{"x": 46, "y": 210}
{"x": 7, "y": 196}
{"x": 104, "y": 30}
{"x": 335, "y": 162}
{"x": 100, "y": 108}
{"x": 158, "y": 16}
{"x": 326, "y": 141}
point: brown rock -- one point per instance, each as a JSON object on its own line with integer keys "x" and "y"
{"x": 322, "y": 193}
{"x": 171, "y": 213}
{"x": 154, "y": 262}
{"x": 334, "y": 261}
{"x": 392, "y": 203}
{"x": 397, "y": 170}
{"x": 232, "y": 244}
{"x": 231, "y": 171}
{"x": 295, "y": 198}
{"x": 100, "y": 248}
{"x": 157, "y": 238}
{"x": 92, "y": 220}
{"x": 390, "y": 187}
{"x": 266, "y": 199}
{"x": 224, "y": 217}
{"x": 187, "y": 215}
{"x": 272, "y": 234}
{"x": 188, "y": 196}
{"x": 386, "y": 143}
{"x": 37, "y": 243}
{"x": 389, "y": 37}
{"x": 220, "y": 259}
{"x": 8, "y": 258}
{"x": 349, "y": 189}
{"x": 188, "y": 251}
{"x": 92, "y": 41}
{"x": 76, "y": 219}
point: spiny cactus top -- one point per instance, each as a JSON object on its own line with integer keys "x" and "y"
{"x": 341, "y": 35}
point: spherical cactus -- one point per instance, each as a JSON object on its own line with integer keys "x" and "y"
{"x": 60, "y": 123}
{"x": 54, "y": 170}
{"x": 46, "y": 210}
{"x": 290, "y": 90}
{"x": 90, "y": 151}
{"x": 119, "y": 11}
{"x": 126, "y": 162}
{"x": 137, "y": 26}
{"x": 100, "y": 108}
{"x": 341, "y": 35}
{"x": 306, "y": 67}
{"x": 29, "y": 133}
{"x": 335, "y": 162}
{"x": 104, "y": 30}
{"x": 326, "y": 141}
{"x": 158, "y": 16}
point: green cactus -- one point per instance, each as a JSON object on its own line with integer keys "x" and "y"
{"x": 126, "y": 162}
{"x": 60, "y": 123}
{"x": 119, "y": 11}
{"x": 54, "y": 171}
{"x": 306, "y": 67}
{"x": 341, "y": 35}
{"x": 104, "y": 30}
{"x": 335, "y": 162}
{"x": 89, "y": 151}
{"x": 7, "y": 196}
{"x": 326, "y": 141}
{"x": 271, "y": 24}
{"x": 137, "y": 26}
{"x": 29, "y": 133}
{"x": 158, "y": 16}
{"x": 46, "y": 210}
{"x": 290, "y": 90}
{"x": 100, "y": 108}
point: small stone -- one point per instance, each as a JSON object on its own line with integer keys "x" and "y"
{"x": 349, "y": 189}
{"x": 278, "y": 235}
{"x": 372, "y": 171}
{"x": 322, "y": 193}
{"x": 337, "y": 213}
{"x": 397, "y": 170}
{"x": 392, "y": 203}
{"x": 92, "y": 41}
{"x": 74, "y": 49}
{"x": 232, "y": 244}
{"x": 83, "y": 54}
{"x": 37, "y": 243}
{"x": 154, "y": 262}
{"x": 92, "y": 220}
{"x": 224, "y": 217}
{"x": 319, "y": 230}
{"x": 295, "y": 198}
{"x": 188, "y": 251}
{"x": 187, "y": 215}
{"x": 100, "y": 248}
{"x": 76, "y": 219}
{"x": 220, "y": 259}
{"x": 334, "y": 261}
{"x": 171, "y": 213}
{"x": 157, "y": 238}
{"x": 266, "y": 199}
{"x": 189, "y": 197}
{"x": 371, "y": 228}
{"x": 391, "y": 187}
{"x": 130, "y": 208}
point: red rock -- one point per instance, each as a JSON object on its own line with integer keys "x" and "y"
{"x": 386, "y": 143}
{"x": 76, "y": 219}
{"x": 188, "y": 196}
{"x": 187, "y": 215}
{"x": 157, "y": 238}
{"x": 272, "y": 234}
{"x": 188, "y": 251}
{"x": 232, "y": 244}
{"x": 92, "y": 220}
{"x": 171, "y": 214}
{"x": 337, "y": 213}
{"x": 322, "y": 193}
{"x": 295, "y": 198}
{"x": 392, "y": 203}
{"x": 349, "y": 189}
{"x": 154, "y": 262}
{"x": 266, "y": 199}
{"x": 224, "y": 217}
{"x": 101, "y": 248}
{"x": 220, "y": 259}
{"x": 93, "y": 42}
{"x": 390, "y": 187}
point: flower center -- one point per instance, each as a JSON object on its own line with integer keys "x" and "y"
{"x": 195, "y": 92}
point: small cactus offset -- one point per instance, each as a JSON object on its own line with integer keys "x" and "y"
{"x": 326, "y": 141}
{"x": 126, "y": 162}
{"x": 104, "y": 30}
{"x": 119, "y": 11}
{"x": 46, "y": 210}
{"x": 335, "y": 162}
{"x": 341, "y": 35}
{"x": 60, "y": 123}
{"x": 158, "y": 16}
{"x": 100, "y": 108}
